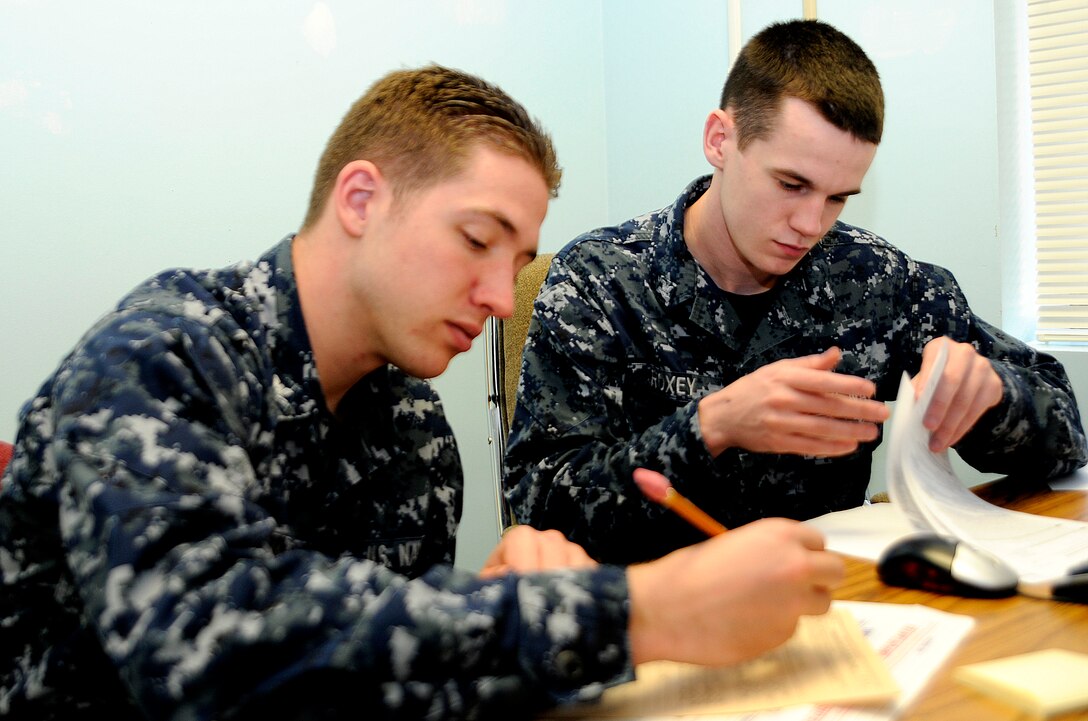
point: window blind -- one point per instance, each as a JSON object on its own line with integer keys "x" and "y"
{"x": 1058, "y": 76}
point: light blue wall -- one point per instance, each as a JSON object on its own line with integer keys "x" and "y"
{"x": 932, "y": 189}
{"x": 136, "y": 136}
{"x": 663, "y": 73}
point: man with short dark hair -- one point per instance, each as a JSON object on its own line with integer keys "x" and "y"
{"x": 742, "y": 339}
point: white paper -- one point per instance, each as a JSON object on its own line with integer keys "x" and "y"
{"x": 863, "y": 532}
{"x": 916, "y": 641}
{"x": 927, "y": 491}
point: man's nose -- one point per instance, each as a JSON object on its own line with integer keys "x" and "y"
{"x": 495, "y": 292}
{"x": 807, "y": 218}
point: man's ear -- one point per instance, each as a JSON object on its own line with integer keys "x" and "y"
{"x": 718, "y": 131}
{"x": 359, "y": 188}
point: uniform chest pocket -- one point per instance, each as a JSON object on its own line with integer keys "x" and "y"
{"x": 651, "y": 392}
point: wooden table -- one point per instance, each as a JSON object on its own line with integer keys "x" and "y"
{"x": 1003, "y": 627}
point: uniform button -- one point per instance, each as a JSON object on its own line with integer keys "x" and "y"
{"x": 569, "y": 664}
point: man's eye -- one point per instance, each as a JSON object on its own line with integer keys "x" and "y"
{"x": 792, "y": 187}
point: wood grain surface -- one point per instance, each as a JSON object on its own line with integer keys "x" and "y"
{"x": 1004, "y": 627}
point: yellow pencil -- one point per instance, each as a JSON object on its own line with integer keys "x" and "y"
{"x": 658, "y": 489}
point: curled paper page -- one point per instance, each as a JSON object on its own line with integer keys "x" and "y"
{"x": 925, "y": 487}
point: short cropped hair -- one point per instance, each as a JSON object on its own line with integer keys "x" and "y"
{"x": 812, "y": 61}
{"x": 419, "y": 126}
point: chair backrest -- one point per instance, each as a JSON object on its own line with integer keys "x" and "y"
{"x": 505, "y": 341}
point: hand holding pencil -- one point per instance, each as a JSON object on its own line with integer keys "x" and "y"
{"x": 731, "y": 597}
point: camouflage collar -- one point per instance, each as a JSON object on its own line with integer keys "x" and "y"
{"x": 804, "y": 294}
{"x": 300, "y": 393}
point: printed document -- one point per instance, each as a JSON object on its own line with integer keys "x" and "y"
{"x": 828, "y": 660}
{"x": 925, "y": 488}
{"x": 913, "y": 642}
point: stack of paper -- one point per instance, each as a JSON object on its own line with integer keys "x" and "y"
{"x": 925, "y": 488}
{"x": 1043, "y": 683}
{"x": 915, "y": 641}
{"x": 836, "y": 668}
{"x": 828, "y": 660}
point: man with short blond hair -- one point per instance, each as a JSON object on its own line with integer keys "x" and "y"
{"x": 237, "y": 499}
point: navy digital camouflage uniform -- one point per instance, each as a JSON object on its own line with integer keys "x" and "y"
{"x": 629, "y": 332}
{"x": 185, "y": 524}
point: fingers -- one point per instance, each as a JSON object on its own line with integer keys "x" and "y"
{"x": 731, "y": 597}
{"x": 811, "y": 566}
{"x": 968, "y": 387}
{"x": 960, "y": 412}
{"x": 523, "y": 549}
{"x": 809, "y": 537}
{"x": 828, "y": 418}
{"x": 829, "y": 402}
{"x": 496, "y": 571}
{"x": 797, "y": 405}
{"x": 817, "y": 602}
{"x": 812, "y": 374}
{"x": 818, "y": 572}
{"x": 828, "y": 572}
{"x": 821, "y": 361}
{"x": 819, "y": 413}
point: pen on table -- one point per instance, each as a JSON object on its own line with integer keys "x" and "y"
{"x": 658, "y": 489}
{"x": 1072, "y": 587}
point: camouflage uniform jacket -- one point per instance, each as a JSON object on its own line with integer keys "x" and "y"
{"x": 185, "y": 524}
{"x": 629, "y": 332}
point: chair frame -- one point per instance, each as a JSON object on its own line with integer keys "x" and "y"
{"x": 497, "y": 420}
{"x": 497, "y": 359}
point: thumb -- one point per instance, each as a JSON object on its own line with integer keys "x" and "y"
{"x": 929, "y": 359}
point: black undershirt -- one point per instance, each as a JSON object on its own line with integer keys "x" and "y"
{"x": 750, "y": 309}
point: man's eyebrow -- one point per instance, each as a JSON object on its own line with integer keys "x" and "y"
{"x": 802, "y": 180}
{"x": 498, "y": 217}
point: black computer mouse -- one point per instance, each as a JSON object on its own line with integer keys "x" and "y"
{"x": 931, "y": 562}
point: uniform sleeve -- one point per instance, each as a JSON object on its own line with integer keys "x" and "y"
{"x": 208, "y": 611}
{"x": 1036, "y": 430}
{"x": 572, "y": 449}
